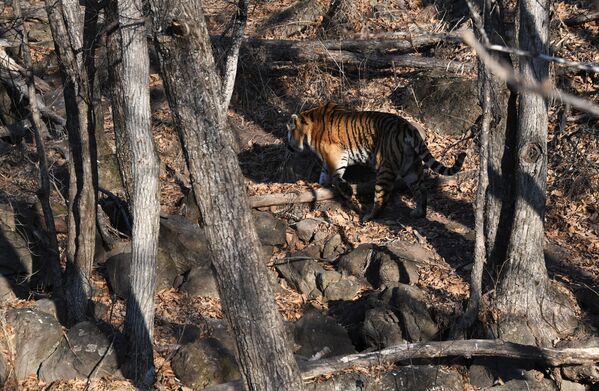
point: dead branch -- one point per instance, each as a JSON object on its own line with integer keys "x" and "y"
{"x": 582, "y": 18}
{"x": 324, "y": 194}
{"x": 442, "y": 349}
{"x": 510, "y": 76}
{"x": 230, "y": 70}
{"x": 377, "y": 53}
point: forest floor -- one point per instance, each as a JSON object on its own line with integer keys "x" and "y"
{"x": 265, "y": 97}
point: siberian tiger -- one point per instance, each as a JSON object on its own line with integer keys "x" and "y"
{"x": 386, "y": 141}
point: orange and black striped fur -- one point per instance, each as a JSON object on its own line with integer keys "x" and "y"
{"x": 388, "y": 142}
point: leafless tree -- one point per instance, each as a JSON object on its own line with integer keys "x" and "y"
{"x": 193, "y": 90}
{"x": 72, "y": 49}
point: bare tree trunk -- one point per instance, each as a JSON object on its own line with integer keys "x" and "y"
{"x": 115, "y": 73}
{"x": 529, "y": 310}
{"x": 37, "y": 126}
{"x": 230, "y": 70}
{"x": 135, "y": 97}
{"x": 193, "y": 87}
{"x": 66, "y": 23}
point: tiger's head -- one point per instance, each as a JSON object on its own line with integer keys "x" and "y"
{"x": 298, "y": 131}
{"x": 302, "y": 127}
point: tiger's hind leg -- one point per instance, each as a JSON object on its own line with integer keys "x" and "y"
{"x": 414, "y": 181}
{"x": 382, "y": 190}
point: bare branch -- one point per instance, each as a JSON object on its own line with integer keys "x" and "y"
{"x": 233, "y": 55}
{"x": 510, "y": 76}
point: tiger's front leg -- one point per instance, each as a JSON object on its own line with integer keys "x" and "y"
{"x": 335, "y": 168}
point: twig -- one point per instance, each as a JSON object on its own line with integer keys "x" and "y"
{"x": 510, "y": 76}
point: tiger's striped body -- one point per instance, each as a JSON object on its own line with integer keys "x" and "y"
{"x": 386, "y": 141}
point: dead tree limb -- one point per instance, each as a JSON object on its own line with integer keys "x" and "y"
{"x": 324, "y": 194}
{"x": 434, "y": 350}
{"x": 582, "y": 18}
{"x": 360, "y": 53}
{"x": 510, "y": 76}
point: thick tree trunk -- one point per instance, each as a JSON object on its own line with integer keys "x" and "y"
{"x": 53, "y": 264}
{"x": 66, "y": 23}
{"x": 115, "y": 73}
{"x": 193, "y": 91}
{"x": 529, "y": 310}
{"x": 135, "y": 97}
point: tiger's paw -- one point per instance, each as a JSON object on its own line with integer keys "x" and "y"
{"x": 344, "y": 190}
{"x": 418, "y": 213}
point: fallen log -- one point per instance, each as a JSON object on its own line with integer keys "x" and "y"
{"x": 324, "y": 194}
{"x": 582, "y": 18}
{"x": 552, "y": 357}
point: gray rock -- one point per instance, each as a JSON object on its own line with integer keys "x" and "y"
{"x": 356, "y": 262}
{"x": 388, "y": 270}
{"x": 48, "y": 306}
{"x": 37, "y": 335}
{"x": 3, "y": 370}
{"x": 118, "y": 269}
{"x": 344, "y": 289}
{"x": 416, "y": 321}
{"x": 411, "y": 377}
{"x": 381, "y": 328}
{"x": 203, "y": 363}
{"x": 567, "y": 385}
{"x": 447, "y": 105}
{"x": 306, "y": 229}
{"x": 480, "y": 374}
{"x": 408, "y": 271}
{"x": 201, "y": 282}
{"x": 80, "y": 353}
{"x": 333, "y": 247}
{"x": 184, "y": 242}
{"x": 271, "y": 230}
{"x": 326, "y": 278}
{"x": 316, "y": 333}
{"x": 528, "y": 385}
{"x": 300, "y": 273}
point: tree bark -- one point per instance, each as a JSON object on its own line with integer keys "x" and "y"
{"x": 530, "y": 310}
{"x": 115, "y": 73}
{"x": 66, "y": 23}
{"x": 192, "y": 88}
{"x": 53, "y": 263}
{"x": 135, "y": 97}
{"x": 230, "y": 70}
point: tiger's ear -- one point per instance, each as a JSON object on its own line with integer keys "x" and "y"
{"x": 294, "y": 116}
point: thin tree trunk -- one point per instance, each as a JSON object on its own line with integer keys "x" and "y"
{"x": 36, "y": 125}
{"x": 230, "y": 70}
{"x": 139, "y": 321}
{"x": 66, "y": 23}
{"x": 115, "y": 73}
{"x": 192, "y": 88}
{"x": 529, "y": 310}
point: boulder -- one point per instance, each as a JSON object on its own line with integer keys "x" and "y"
{"x": 79, "y": 355}
{"x": 316, "y": 333}
{"x": 416, "y": 322}
{"x": 386, "y": 270}
{"x": 306, "y": 229}
{"x": 409, "y": 377}
{"x": 528, "y": 385}
{"x": 381, "y": 328}
{"x": 271, "y": 230}
{"x": 201, "y": 282}
{"x": 357, "y": 261}
{"x": 118, "y": 269}
{"x": 326, "y": 278}
{"x": 448, "y": 105}
{"x": 184, "y": 242}
{"x": 300, "y": 273}
{"x": 333, "y": 247}
{"x": 37, "y": 335}
{"x": 344, "y": 289}
{"x": 203, "y": 363}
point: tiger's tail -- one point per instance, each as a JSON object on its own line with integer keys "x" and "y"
{"x": 427, "y": 158}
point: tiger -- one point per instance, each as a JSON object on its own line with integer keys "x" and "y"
{"x": 388, "y": 142}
